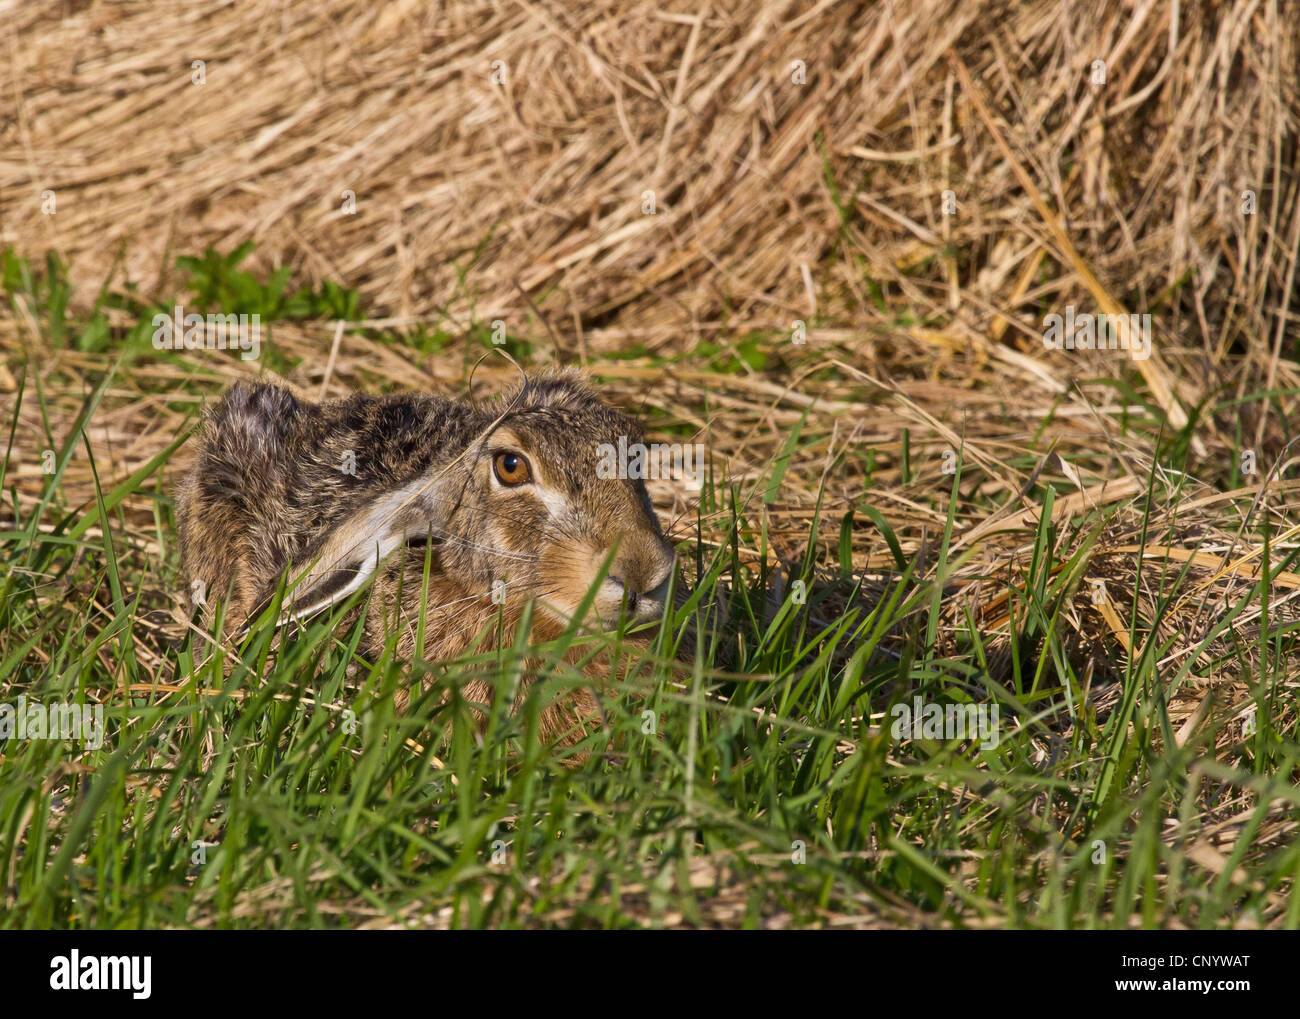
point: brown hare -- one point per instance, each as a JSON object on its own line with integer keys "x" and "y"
{"x": 506, "y": 500}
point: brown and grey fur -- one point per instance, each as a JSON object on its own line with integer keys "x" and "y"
{"x": 267, "y": 493}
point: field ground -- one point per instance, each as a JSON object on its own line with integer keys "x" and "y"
{"x": 909, "y": 494}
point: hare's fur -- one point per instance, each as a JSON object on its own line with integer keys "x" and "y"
{"x": 337, "y": 491}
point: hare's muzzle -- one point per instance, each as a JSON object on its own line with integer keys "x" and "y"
{"x": 642, "y": 582}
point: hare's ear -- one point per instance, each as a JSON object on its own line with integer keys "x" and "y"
{"x": 355, "y": 548}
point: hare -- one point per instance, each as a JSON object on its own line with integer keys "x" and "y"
{"x": 506, "y": 502}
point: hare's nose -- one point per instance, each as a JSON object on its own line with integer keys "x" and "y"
{"x": 655, "y": 586}
{"x": 648, "y": 596}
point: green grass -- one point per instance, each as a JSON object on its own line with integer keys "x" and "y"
{"x": 766, "y": 787}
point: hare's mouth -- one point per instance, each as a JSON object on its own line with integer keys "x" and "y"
{"x": 617, "y": 602}
{"x": 612, "y": 605}
{"x": 640, "y": 606}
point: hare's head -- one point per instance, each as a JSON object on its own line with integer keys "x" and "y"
{"x": 529, "y": 503}
{"x": 549, "y": 517}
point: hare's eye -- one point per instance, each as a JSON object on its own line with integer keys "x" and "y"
{"x": 511, "y": 469}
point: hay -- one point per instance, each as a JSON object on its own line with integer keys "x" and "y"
{"x": 539, "y": 181}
